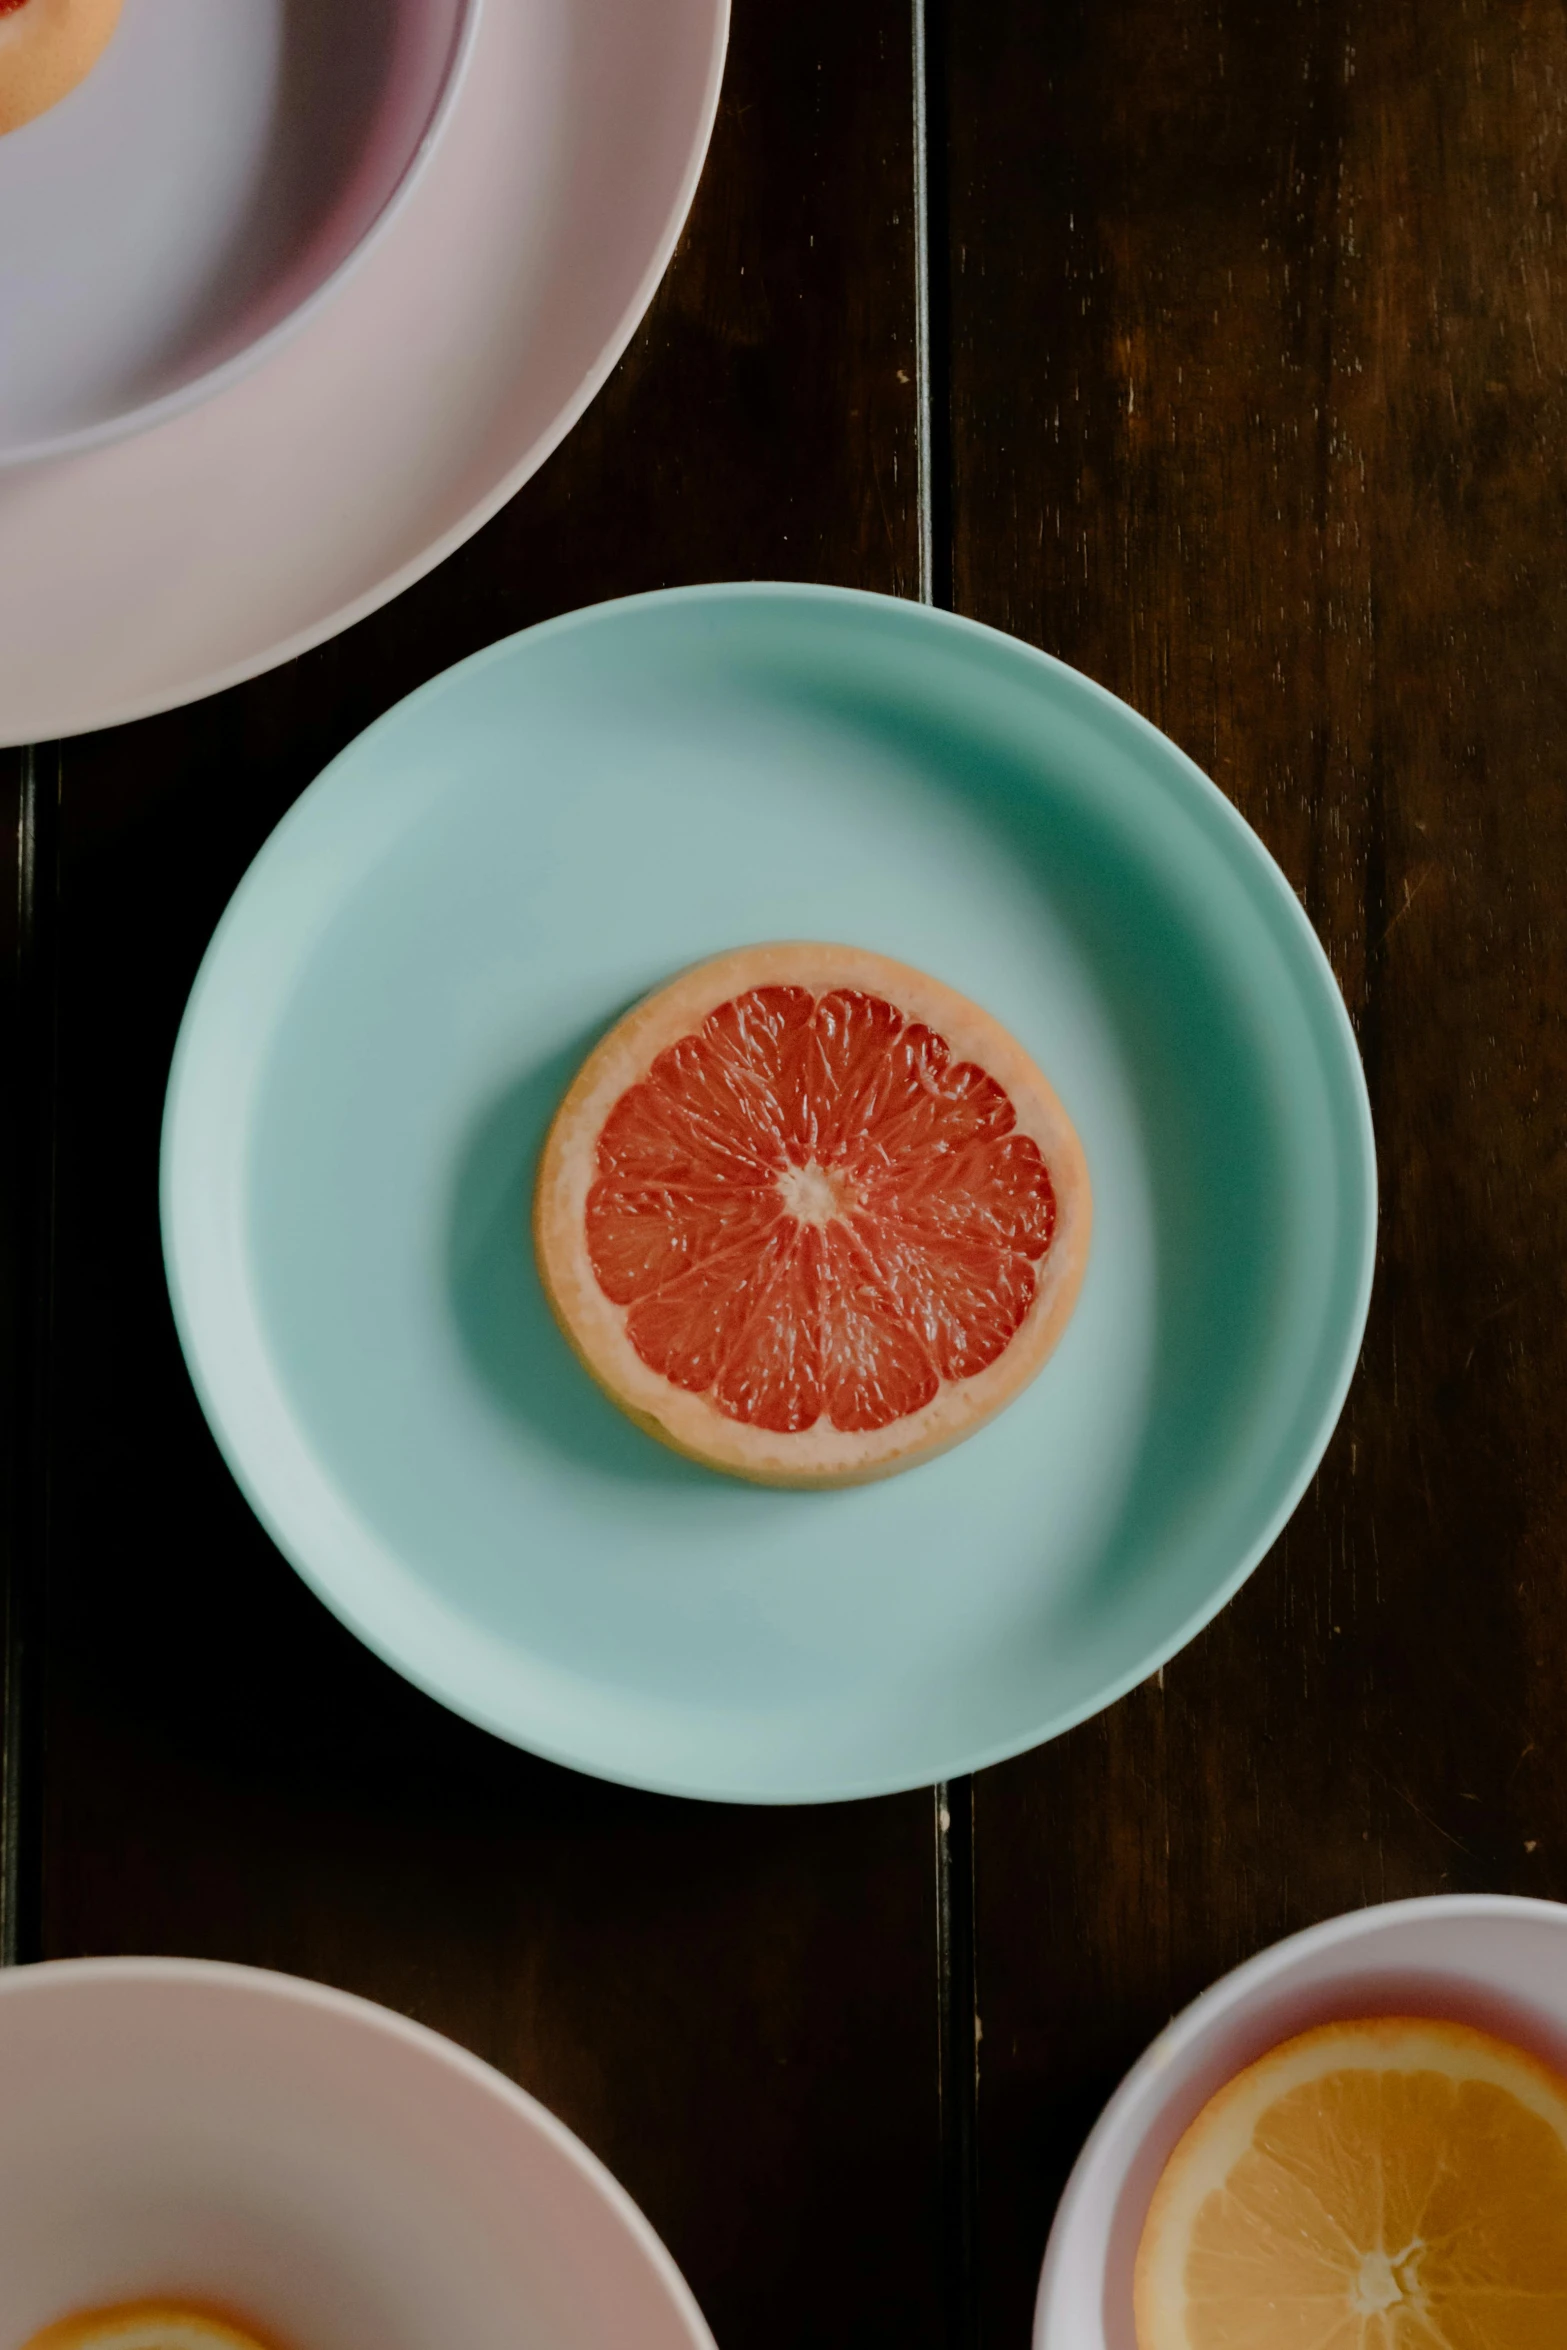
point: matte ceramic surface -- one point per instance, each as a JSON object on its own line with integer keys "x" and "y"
{"x": 394, "y": 1004}
{"x": 344, "y": 2178}
{"x": 200, "y": 192}
{"x": 1482, "y": 1959}
{"x": 404, "y": 412}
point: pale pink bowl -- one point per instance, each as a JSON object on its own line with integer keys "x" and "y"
{"x": 347, "y": 2179}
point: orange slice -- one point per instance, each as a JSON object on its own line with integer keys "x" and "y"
{"x": 809, "y": 1216}
{"x": 1392, "y": 2185}
{"x": 46, "y": 48}
{"x": 145, "y": 2325}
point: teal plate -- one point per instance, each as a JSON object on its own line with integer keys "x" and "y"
{"x": 393, "y": 1005}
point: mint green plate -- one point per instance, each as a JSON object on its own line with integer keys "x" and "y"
{"x": 394, "y": 1003}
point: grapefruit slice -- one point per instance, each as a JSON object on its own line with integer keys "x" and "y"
{"x": 1391, "y": 2185}
{"x": 808, "y": 1216}
{"x": 145, "y": 2325}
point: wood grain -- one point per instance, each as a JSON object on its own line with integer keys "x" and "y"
{"x": 1251, "y": 392}
{"x": 1259, "y": 353}
{"x": 735, "y": 2008}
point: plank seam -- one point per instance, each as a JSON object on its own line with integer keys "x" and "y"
{"x": 927, "y": 565}
{"x": 932, "y": 304}
{"x": 36, "y": 1032}
{"x": 957, "y": 2006}
{"x": 958, "y": 2060}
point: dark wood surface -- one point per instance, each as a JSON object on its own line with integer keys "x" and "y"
{"x": 1247, "y": 397}
{"x": 1262, "y": 423}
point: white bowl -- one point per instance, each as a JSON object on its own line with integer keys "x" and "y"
{"x": 1483, "y": 1959}
{"x": 204, "y": 191}
{"x": 345, "y": 2178}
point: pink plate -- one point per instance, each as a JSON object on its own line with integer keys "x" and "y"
{"x": 142, "y": 575}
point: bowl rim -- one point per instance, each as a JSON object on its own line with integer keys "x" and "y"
{"x": 145, "y": 415}
{"x": 68, "y": 712}
{"x": 1205, "y": 804}
{"x": 65, "y": 1975}
{"x": 1099, "y": 2169}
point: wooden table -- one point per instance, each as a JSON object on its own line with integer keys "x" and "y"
{"x": 1245, "y": 393}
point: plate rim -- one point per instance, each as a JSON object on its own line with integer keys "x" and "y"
{"x": 147, "y": 415}
{"x": 78, "y": 717}
{"x": 1205, "y": 797}
{"x": 353, "y": 2008}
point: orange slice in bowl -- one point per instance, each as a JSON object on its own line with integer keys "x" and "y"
{"x": 809, "y": 1216}
{"x": 146, "y": 2325}
{"x": 46, "y": 48}
{"x": 1387, "y": 2185}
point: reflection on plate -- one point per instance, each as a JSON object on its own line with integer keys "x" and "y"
{"x": 394, "y": 1004}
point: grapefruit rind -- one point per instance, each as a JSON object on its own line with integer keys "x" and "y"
{"x": 1206, "y": 2156}
{"x": 689, "y": 1423}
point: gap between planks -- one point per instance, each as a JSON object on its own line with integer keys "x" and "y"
{"x": 30, "y": 1214}
{"x": 35, "y": 983}
{"x": 957, "y": 2004}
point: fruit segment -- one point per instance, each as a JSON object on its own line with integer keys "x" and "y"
{"x": 46, "y": 48}
{"x": 147, "y": 2325}
{"x": 808, "y": 1208}
{"x": 1384, "y": 2185}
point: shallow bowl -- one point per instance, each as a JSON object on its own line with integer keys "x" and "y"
{"x": 345, "y": 2179}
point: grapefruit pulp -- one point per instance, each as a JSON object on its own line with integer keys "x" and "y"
{"x": 808, "y": 1216}
{"x": 1393, "y": 2184}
